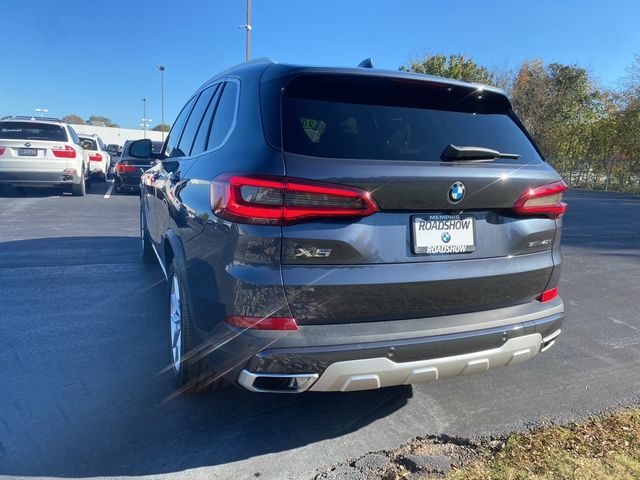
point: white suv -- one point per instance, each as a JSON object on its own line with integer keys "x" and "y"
{"x": 41, "y": 152}
{"x": 99, "y": 158}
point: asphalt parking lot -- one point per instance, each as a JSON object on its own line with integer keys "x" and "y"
{"x": 85, "y": 393}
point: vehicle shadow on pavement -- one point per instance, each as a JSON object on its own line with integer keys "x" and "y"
{"x": 95, "y": 188}
{"x": 84, "y": 377}
{"x": 602, "y": 220}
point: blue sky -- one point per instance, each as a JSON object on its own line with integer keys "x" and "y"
{"x": 100, "y": 57}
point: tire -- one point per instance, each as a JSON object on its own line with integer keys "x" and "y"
{"x": 116, "y": 185}
{"x": 147, "y": 250}
{"x": 191, "y": 373}
{"x": 79, "y": 189}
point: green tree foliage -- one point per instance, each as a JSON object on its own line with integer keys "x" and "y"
{"x": 161, "y": 127}
{"x": 73, "y": 119}
{"x": 100, "y": 120}
{"x": 458, "y": 66}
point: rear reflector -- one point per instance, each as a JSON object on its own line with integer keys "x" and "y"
{"x": 544, "y": 200}
{"x": 260, "y": 323}
{"x": 549, "y": 295}
{"x": 64, "y": 152}
{"x": 2, "y": 149}
{"x": 282, "y": 200}
{"x": 95, "y": 158}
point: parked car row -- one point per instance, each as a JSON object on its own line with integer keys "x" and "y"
{"x": 47, "y": 152}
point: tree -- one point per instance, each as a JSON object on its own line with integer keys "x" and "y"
{"x": 73, "y": 119}
{"x": 457, "y": 66}
{"x": 161, "y": 127}
{"x": 101, "y": 121}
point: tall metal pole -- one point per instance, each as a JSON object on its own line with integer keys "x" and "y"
{"x": 161, "y": 67}
{"x": 248, "y": 30}
{"x": 144, "y": 116}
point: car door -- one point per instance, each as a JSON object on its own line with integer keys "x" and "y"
{"x": 172, "y": 172}
{"x": 153, "y": 177}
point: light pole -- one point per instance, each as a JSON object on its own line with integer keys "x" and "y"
{"x": 41, "y": 111}
{"x": 247, "y": 27}
{"x": 161, "y": 68}
{"x": 145, "y": 120}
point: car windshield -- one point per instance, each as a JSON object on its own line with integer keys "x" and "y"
{"x": 32, "y": 131}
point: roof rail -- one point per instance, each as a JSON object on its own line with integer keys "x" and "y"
{"x": 32, "y": 117}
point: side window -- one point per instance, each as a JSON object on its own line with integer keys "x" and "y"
{"x": 224, "y": 116}
{"x": 176, "y": 131}
{"x": 200, "y": 144}
{"x": 74, "y": 136}
{"x": 193, "y": 123}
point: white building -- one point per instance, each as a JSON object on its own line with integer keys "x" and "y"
{"x": 117, "y": 135}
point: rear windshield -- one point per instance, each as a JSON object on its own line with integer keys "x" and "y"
{"x": 88, "y": 143}
{"x": 392, "y": 120}
{"x": 32, "y": 131}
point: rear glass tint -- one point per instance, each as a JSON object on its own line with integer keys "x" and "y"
{"x": 32, "y": 131}
{"x": 392, "y": 120}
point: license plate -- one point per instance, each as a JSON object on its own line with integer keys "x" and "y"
{"x": 28, "y": 152}
{"x": 443, "y": 234}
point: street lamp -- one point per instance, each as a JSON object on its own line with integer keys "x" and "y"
{"x": 41, "y": 111}
{"x": 161, "y": 68}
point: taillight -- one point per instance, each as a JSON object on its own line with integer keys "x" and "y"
{"x": 2, "y": 149}
{"x": 544, "y": 200}
{"x": 260, "y": 323}
{"x": 124, "y": 168}
{"x": 96, "y": 157}
{"x": 64, "y": 152}
{"x": 549, "y": 295}
{"x": 281, "y": 200}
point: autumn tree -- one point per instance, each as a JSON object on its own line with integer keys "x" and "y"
{"x": 73, "y": 119}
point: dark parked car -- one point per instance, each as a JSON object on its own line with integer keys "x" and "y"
{"x": 339, "y": 229}
{"x": 114, "y": 150}
{"x": 128, "y": 170}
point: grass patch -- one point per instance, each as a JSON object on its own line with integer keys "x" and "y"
{"x": 602, "y": 448}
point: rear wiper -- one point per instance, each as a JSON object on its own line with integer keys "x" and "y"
{"x": 454, "y": 152}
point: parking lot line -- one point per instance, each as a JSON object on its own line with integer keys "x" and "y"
{"x": 108, "y": 194}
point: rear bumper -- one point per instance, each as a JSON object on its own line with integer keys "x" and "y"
{"x": 38, "y": 178}
{"x": 372, "y": 355}
{"x": 129, "y": 181}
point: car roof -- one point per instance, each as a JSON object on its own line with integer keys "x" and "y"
{"x": 17, "y": 118}
{"x": 262, "y": 64}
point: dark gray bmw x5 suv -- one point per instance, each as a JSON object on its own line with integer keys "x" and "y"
{"x": 339, "y": 229}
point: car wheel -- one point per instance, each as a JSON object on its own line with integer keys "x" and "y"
{"x": 116, "y": 185}
{"x": 191, "y": 372}
{"x": 79, "y": 189}
{"x": 147, "y": 250}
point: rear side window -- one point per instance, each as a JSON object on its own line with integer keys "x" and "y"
{"x": 200, "y": 143}
{"x": 373, "y": 118}
{"x": 224, "y": 116}
{"x": 32, "y": 131}
{"x": 88, "y": 143}
{"x": 194, "y": 121}
{"x": 176, "y": 131}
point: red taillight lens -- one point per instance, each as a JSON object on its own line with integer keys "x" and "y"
{"x": 549, "y": 295}
{"x": 2, "y": 149}
{"x": 544, "y": 200}
{"x": 282, "y": 200}
{"x": 122, "y": 168}
{"x": 96, "y": 157}
{"x": 266, "y": 323}
{"x": 64, "y": 152}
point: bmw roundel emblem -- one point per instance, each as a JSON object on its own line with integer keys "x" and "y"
{"x": 456, "y": 192}
{"x": 446, "y": 237}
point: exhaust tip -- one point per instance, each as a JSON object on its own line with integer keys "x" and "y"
{"x": 277, "y": 382}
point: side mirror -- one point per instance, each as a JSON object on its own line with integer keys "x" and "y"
{"x": 141, "y": 149}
